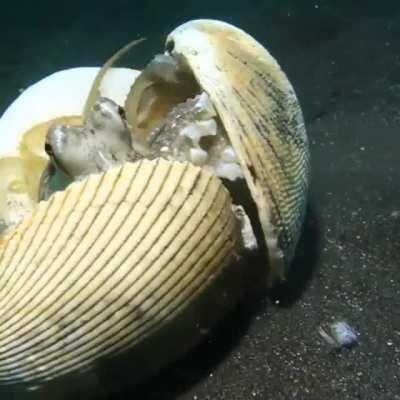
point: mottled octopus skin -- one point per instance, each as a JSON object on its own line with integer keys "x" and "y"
{"x": 106, "y": 263}
{"x": 263, "y": 120}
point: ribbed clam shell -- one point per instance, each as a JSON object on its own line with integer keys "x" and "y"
{"x": 106, "y": 263}
{"x": 263, "y": 119}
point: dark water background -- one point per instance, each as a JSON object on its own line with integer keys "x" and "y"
{"x": 343, "y": 58}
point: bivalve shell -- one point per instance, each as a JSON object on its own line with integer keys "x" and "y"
{"x": 263, "y": 120}
{"x": 106, "y": 263}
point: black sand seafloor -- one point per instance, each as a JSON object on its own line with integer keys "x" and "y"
{"x": 343, "y": 58}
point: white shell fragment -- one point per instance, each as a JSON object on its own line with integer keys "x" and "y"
{"x": 340, "y": 335}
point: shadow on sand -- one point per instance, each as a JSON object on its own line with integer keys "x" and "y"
{"x": 227, "y": 334}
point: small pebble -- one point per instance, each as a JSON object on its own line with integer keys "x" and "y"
{"x": 340, "y": 335}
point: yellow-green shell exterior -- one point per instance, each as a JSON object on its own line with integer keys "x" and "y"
{"x": 262, "y": 117}
{"x": 106, "y": 263}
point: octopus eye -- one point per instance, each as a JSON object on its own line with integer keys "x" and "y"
{"x": 48, "y": 149}
{"x": 121, "y": 112}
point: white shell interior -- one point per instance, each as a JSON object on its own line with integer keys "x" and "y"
{"x": 63, "y": 93}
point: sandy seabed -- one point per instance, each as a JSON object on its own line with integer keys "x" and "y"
{"x": 343, "y": 59}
